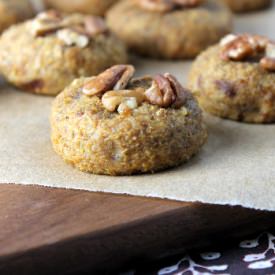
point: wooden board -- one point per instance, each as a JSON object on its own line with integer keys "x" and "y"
{"x": 56, "y": 231}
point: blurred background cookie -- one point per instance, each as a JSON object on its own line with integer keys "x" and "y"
{"x": 235, "y": 79}
{"x": 95, "y": 7}
{"x": 169, "y": 29}
{"x": 116, "y": 125}
{"x": 13, "y": 11}
{"x": 247, "y": 5}
{"x": 45, "y": 54}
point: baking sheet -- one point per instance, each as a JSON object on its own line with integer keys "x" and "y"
{"x": 235, "y": 167}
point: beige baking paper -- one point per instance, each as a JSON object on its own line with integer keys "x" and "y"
{"x": 236, "y": 167}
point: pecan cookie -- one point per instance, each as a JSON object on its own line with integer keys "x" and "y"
{"x": 95, "y": 7}
{"x": 247, "y": 5}
{"x": 172, "y": 29}
{"x": 45, "y": 54}
{"x": 115, "y": 124}
{"x": 235, "y": 79}
{"x": 13, "y": 11}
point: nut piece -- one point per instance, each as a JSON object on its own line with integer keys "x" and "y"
{"x": 168, "y": 5}
{"x": 71, "y": 38}
{"x": 123, "y": 101}
{"x": 114, "y": 78}
{"x": 166, "y": 91}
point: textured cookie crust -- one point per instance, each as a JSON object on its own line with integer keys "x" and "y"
{"x": 45, "y": 64}
{"x": 95, "y": 140}
{"x": 13, "y": 11}
{"x": 173, "y": 35}
{"x": 95, "y": 7}
{"x": 240, "y": 91}
{"x": 247, "y": 5}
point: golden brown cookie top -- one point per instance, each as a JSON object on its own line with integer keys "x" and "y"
{"x": 243, "y": 47}
{"x": 74, "y": 29}
{"x": 167, "y": 5}
{"x": 120, "y": 92}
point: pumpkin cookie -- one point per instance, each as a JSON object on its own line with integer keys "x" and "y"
{"x": 235, "y": 79}
{"x": 95, "y": 7}
{"x": 45, "y": 54}
{"x": 13, "y": 11}
{"x": 247, "y": 5}
{"x": 170, "y": 29}
{"x": 114, "y": 124}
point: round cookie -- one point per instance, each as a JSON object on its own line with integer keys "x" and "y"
{"x": 13, "y": 11}
{"x": 115, "y": 125}
{"x": 247, "y": 5}
{"x": 171, "y": 31}
{"x": 235, "y": 79}
{"x": 45, "y": 54}
{"x": 95, "y": 7}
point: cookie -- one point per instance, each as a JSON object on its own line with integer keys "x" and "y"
{"x": 13, "y": 11}
{"x": 165, "y": 29}
{"x": 45, "y": 54}
{"x": 114, "y": 124}
{"x": 94, "y": 7}
{"x": 247, "y": 5}
{"x": 235, "y": 79}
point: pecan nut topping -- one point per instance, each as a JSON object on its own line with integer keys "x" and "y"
{"x": 168, "y": 5}
{"x": 166, "y": 91}
{"x": 70, "y": 29}
{"x": 160, "y": 93}
{"x": 123, "y": 101}
{"x": 119, "y": 92}
{"x": 114, "y": 78}
{"x": 245, "y": 46}
{"x": 72, "y": 37}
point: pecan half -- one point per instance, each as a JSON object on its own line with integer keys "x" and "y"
{"x": 166, "y": 91}
{"x": 167, "y": 5}
{"x": 114, "y": 78}
{"x": 46, "y": 22}
{"x": 180, "y": 92}
{"x": 123, "y": 101}
{"x": 160, "y": 93}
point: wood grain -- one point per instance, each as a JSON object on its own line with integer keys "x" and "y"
{"x": 56, "y": 231}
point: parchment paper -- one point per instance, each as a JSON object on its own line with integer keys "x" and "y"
{"x": 235, "y": 167}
